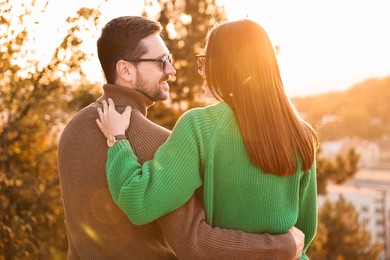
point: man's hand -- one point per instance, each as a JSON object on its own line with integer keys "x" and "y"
{"x": 299, "y": 240}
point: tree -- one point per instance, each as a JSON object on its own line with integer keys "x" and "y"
{"x": 341, "y": 235}
{"x": 32, "y": 95}
{"x": 185, "y": 24}
{"x": 352, "y": 238}
{"x": 338, "y": 170}
{"x": 361, "y": 111}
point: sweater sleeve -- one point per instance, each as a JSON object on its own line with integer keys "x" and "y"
{"x": 187, "y": 232}
{"x": 308, "y": 213}
{"x": 161, "y": 185}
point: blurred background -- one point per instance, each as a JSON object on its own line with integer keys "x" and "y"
{"x": 334, "y": 57}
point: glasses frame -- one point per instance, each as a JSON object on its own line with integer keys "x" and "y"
{"x": 200, "y": 58}
{"x": 163, "y": 60}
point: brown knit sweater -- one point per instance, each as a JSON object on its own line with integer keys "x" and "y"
{"x": 96, "y": 227}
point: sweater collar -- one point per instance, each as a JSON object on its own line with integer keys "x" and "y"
{"x": 124, "y": 96}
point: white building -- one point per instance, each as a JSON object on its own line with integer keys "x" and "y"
{"x": 373, "y": 154}
{"x": 369, "y": 192}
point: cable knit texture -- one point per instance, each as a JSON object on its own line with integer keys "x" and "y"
{"x": 206, "y": 147}
{"x": 97, "y": 228}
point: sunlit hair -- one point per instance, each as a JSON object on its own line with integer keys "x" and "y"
{"x": 122, "y": 38}
{"x": 241, "y": 69}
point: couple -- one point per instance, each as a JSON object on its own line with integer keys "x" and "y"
{"x": 204, "y": 195}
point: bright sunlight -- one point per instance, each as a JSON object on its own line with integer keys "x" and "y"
{"x": 324, "y": 45}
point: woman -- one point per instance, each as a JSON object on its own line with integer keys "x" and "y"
{"x": 251, "y": 158}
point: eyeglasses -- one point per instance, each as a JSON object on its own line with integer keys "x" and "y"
{"x": 200, "y": 59}
{"x": 163, "y": 60}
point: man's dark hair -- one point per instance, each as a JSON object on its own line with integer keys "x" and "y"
{"x": 121, "y": 38}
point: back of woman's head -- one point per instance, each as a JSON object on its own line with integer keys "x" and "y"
{"x": 239, "y": 50}
{"x": 241, "y": 69}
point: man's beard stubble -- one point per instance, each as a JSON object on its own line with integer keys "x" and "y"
{"x": 153, "y": 91}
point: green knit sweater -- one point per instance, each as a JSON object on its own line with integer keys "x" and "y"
{"x": 206, "y": 148}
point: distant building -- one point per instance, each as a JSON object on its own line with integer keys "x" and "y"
{"x": 373, "y": 154}
{"x": 384, "y": 157}
{"x": 369, "y": 192}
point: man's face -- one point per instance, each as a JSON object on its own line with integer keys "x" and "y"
{"x": 151, "y": 78}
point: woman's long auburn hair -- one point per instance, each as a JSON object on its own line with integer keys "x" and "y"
{"x": 241, "y": 69}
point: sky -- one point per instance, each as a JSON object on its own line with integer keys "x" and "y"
{"x": 324, "y": 45}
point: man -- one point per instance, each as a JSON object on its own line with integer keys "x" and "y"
{"x": 137, "y": 66}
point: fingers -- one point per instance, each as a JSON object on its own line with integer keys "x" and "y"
{"x": 105, "y": 106}
{"x": 108, "y": 105}
{"x": 111, "y": 104}
{"x": 99, "y": 123}
{"x": 127, "y": 111}
{"x": 110, "y": 121}
{"x": 100, "y": 112}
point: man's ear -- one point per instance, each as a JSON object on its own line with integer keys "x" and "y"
{"x": 125, "y": 71}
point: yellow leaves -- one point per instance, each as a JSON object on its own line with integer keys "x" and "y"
{"x": 32, "y": 96}
{"x": 87, "y": 13}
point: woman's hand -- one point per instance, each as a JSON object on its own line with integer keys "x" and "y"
{"x": 110, "y": 121}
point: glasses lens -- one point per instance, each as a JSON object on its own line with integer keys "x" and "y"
{"x": 165, "y": 59}
{"x": 200, "y": 61}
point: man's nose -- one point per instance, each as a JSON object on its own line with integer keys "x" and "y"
{"x": 170, "y": 70}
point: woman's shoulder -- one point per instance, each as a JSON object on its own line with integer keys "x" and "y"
{"x": 209, "y": 116}
{"x": 218, "y": 109}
